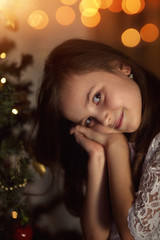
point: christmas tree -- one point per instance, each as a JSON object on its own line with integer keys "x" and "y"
{"x": 15, "y": 117}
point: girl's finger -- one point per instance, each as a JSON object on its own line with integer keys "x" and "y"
{"x": 89, "y": 145}
{"x": 91, "y": 134}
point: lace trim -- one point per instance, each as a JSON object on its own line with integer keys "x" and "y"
{"x": 144, "y": 215}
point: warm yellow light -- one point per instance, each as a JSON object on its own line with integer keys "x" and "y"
{"x": 14, "y": 214}
{"x": 106, "y": 4}
{"x": 3, "y": 80}
{"x": 116, "y": 6}
{"x": 38, "y": 19}
{"x": 3, "y": 55}
{"x": 65, "y": 15}
{"x": 133, "y": 7}
{"x": 68, "y": 2}
{"x": 14, "y": 111}
{"x": 149, "y": 32}
{"x": 143, "y": 4}
{"x": 87, "y": 12}
{"x": 91, "y": 21}
{"x": 130, "y": 37}
{"x": 89, "y": 8}
{"x": 91, "y": 4}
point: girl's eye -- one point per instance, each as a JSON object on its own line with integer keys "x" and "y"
{"x": 97, "y": 98}
{"x": 88, "y": 121}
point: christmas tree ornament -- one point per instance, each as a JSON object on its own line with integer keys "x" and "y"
{"x": 40, "y": 168}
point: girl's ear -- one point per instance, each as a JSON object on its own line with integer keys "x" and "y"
{"x": 126, "y": 69}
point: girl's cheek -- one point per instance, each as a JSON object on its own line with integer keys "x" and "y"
{"x": 101, "y": 129}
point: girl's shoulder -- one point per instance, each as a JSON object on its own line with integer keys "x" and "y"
{"x": 153, "y": 154}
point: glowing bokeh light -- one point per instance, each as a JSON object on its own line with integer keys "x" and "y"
{"x": 116, "y": 6}
{"x": 68, "y": 2}
{"x": 149, "y": 32}
{"x": 106, "y": 4}
{"x": 91, "y": 21}
{"x": 87, "y": 12}
{"x": 14, "y": 111}
{"x": 130, "y": 37}
{"x": 143, "y": 4}
{"x": 91, "y": 4}
{"x": 65, "y": 15}
{"x": 133, "y": 7}
{"x": 38, "y": 19}
{"x": 89, "y": 8}
{"x": 3, "y": 55}
{"x": 3, "y": 80}
{"x": 14, "y": 214}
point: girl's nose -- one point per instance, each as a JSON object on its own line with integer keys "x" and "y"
{"x": 104, "y": 118}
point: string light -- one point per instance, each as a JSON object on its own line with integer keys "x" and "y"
{"x": 11, "y": 188}
{"x": 3, "y": 55}
{"x": 116, "y": 6}
{"x": 130, "y": 37}
{"x": 14, "y": 215}
{"x": 106, "y": 4}
{"x": 3, "y": 80}
{"x": 131, "y": 7}
{"x": 91, "y": 21}
{"x": 93, "y": 4}
{"x": 14, "y": 111}
{"x": 65, "y": 15}
{"x": 87, "y": 12}
{"x": 38, "y": 19}
{"x": 149, "y": 32}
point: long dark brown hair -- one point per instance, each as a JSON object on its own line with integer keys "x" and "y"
{"x": 54, "y": 144}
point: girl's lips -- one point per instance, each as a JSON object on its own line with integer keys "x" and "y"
{"x": 119, "y": 121}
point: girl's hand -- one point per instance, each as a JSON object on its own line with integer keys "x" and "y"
{"x": 84, "y": 134}
{"x": 96, "y": 215}
{"x": 92, "y": 147}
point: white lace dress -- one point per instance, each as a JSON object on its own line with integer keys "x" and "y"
{"x": 144, "y": 215}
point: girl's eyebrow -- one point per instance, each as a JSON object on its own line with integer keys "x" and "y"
{"x": 88, "y": 95}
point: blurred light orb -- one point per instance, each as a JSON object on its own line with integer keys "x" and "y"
{"x": 14, "y": 111}
{"x": 38, "y": 19}
{"x": 106, "y": 4}
{"x": 89, "y": 8}
{"x": 3, "y": 80}
{"x": 3, "y": 55}
{"x": 89, "y": 12}
{"x": 68, "y": 2}
{"x": 91, "y": 4}
{"x": 116, "y": 6}
{"x": 133, "y": 7}
{"x": 149, "y": 32}
{"x": 91, "y": 21}
{"x": 14, "y": 214}
{"x": 130, "y": 37}
{"x": 65, "y": 15}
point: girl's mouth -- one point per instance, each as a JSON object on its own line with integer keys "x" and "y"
{"x": 119, "y": 121}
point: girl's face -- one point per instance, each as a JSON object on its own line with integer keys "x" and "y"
{"x": 102, "y": 101}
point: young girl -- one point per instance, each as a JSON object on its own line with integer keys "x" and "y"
{"x": 99, "y": 118}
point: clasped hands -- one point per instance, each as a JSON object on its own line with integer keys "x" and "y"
{"x": 93, "y": 141}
